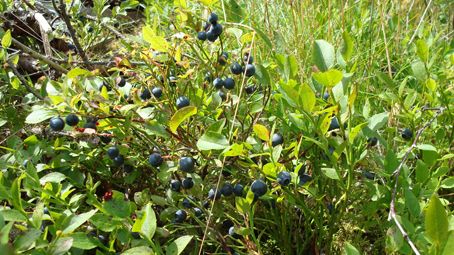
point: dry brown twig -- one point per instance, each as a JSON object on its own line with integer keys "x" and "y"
{"x": 392, "y": 211}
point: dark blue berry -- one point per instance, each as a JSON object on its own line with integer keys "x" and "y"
{"x": 227, "y": 189}
{"x": 213, "y": 18}
{"x": 214, "y": 194}
{"x": 187, "y": 164}
{"x": 222, "y": 95}
{"x": 303, "y": 179}
{"x": 211, "y": 36}
{"x": 120, "y": 81}
{"x": 198, "y": 212}
{"x": 57, "y": 124}
{"x": 182, "y": 102}
{"x": 146, "y": 94}
{"x": 372, "y": 141}
{"x": 155, "y": 159}
{"x": 334, "y": 124}
{"x": 259, "y": 188}
{"x": 250, "y": 89}
{"x": 250, "y": 70}
{"x": 236, "y": 68}
{"x": 216, "y": 29}
{"x": 218, "y": 83}
{"x": 112, "y": 152}
{"x": 284, "y": 178}
{"x": 188, "y": 183}
{"x": 202, "y": 36}
{"x": 72, "y": 120}
{"x": 407, "y": 134}
{"x": 119, "y": 160}
{"x": 238, "y": 190}
{"x": 277, "y": 139}
{"x": 180, "y": 216}
{"x": 175, "y": 185}
{"x": 157, "y": 92}
{"x": 229, "y": 83}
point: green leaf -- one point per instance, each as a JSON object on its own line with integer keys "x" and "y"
{"x": 61, "y": 246}
{"x": 262, "y": 74}
{"x": 39, "y": 115}
{"x": 177, "y": 246}
{"x": 323, "y": 55}
{"x": 78, "y": 72}
{"x": 103, "y": 222}
{"x": 77, "y": 220}
{"x": 234, "y": 11}
{"x": 118, "y": 206}
{"x": 431, "y": 84}
{"x": 355, "y": 131}
{"x": 419, "y": 70}
{"x": 307, "y": 98}
{"x": 234, "y": 150}
{"x": 347, "y": 48}
{"x": 350, "y": 249}
{"x": 6, "y": 39}
{"x": 422, "y": 172}
{"x": 378, "y": 120}
{"x": 422, "y": 50}
{"x": 449, "y": 246}
{"x": 270, "y": 170}
{"x": 212, "y": 141}
{"x": 330, "y": 173}
{"x": 385, "y": 79}
{"x": 16, "y": 194}
{"x": 265, "y": 38}
{"x": 13, "y": 215}
{"x": 448, "y": 183}
{"x": 242, "y": 205}
{"x": 82, "y": 241}
{"x": 26, "y": 241}
{"x": 411, "y": 202}
{"x": 158, "y": 43}
{"x": 139, "y": 250}
{"x": 328, "y": 78}
{"x": 147, "y": 224}
{"x": 180, "y": 116}
{"x": 262, "y": 132}
{"x": 436, "y": 222}
{"x": 54, "y": 177}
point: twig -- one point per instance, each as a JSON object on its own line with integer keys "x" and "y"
{"x": 23, "y": 81}
{"x": 392, "y": 211}
{"x": 64, "y": 16}
{"x": 45, "y": 30}
{"x": 38, "y": 56}
{"x": 420, "y": 21}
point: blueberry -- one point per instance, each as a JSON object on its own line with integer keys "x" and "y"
{"x": 222, "y": 59}
{"x": 119, "y": 160}
{"x": 213, "y": 18}
{"x": 120, "y": 81}
{"x": 222, "y": 95}
{"x": 172, "y": 80}
{"x": 128, "y": 168}
{"x": 232, "y": 233}
{"x": 218, "y": 83}
{"x": 72, "y": 47}
{"x": 216, "y": 29}
{"x": 187, "y": 164}
{"x": 72, "y": 120}
{"x": 238, "y": 190}
{"x": 46, "y": 210}
{"x": 236, "y": 68}
{"x": 157, "y": 92}
{"x": 180, "y": 216}
{"x": 277, "y": 139}
{"x": 57, "y": 124}
{"x": 188, "y": 183}
{"x": 182, "y": 102}
{"x": 250, "y": 70}
{"x": 187, "y": 202}
{"x": 284, "y": 178}
{"x": 155, "y": 159}
{"x": 104, "y": 240}
{"x": 208, "y": 77}
{"x": 112, "y": 152}
{"x": 214, "y": 194}
{"x": 229, "y": 83}
{"x": 105, "y": 139}
{"x": 303, "y": 179}
{"x": 90, "y": 124}
{"x": 372, "y": 141}
{"x": 146, "y": 94}
{"x": 407, "y": 134}
{"x": 326, "y": 96}
{"x": 206, "y": 204}
{"x": 250, "y": 89}
{"x": 135, "y": 235}
{"x": 89, "y": 29}
{"x": 211, "y": 36}
{"x": 175, "y": 185}
{"x": 246, "y": 57}
{"x": 198, "y": 212}
{"x": 227, "y": 189}
{"x": 334, "y": 124}
{"x": 259, "y": 188}
{"x": 202, "y": 36}
{"x": 369, "y": 175}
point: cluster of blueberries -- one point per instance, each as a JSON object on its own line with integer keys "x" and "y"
{"x": 212, "y": 29}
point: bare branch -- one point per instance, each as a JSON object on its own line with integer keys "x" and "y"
{"x": 23, "y": 81}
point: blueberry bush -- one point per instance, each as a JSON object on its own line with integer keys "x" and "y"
{"x": 226, "y": 127}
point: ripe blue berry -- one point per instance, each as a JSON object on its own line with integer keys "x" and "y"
{"x": 407, "y": 134}
{"x": 146, "y": 94}
{"x": 120, "y": 81}
{"x": 238, "y": 190}
{"x": 72, "y": 120}
{"x": 155, "y": 159}
{"x": 372, "y": 141}
{"x": 57, "y": 124}
{"x": 227, "y": 189}
{"x": 180, "y": 216}
{"x": 113, "y": 152}
{"x": 222, "y": 95}
{"x": 175, "y": 185}
{"x": 216, "y": 29}
{"x": 202, "y": 36}
{"x": 119, "y": 160}
{"x": 90, "y": 124}
{"x": 187, "y": 203}
{"x": 303, "y": 179}
{"x": 284, "y": 178}
{"x": 229, "y": 83}
{"x": 236, "y": 68}
{"x": 334, "y": 124}
{"x": 188, "y": 183}
{"x": 259, "y": 188}
{"x": 198, "y": 212}
{"x": 250, "y": 89}
{"x": 250, "y": 70}
{"x": 213, "y": 18}
{"x": 211, "y": 36}
{"x": 214, "y": 194}
{"x": 182, "y": 102}
{"x": 218, "y": 83}
{"x": 277, "y": 139}
{"x": 222, "y": 59}
{"x": 187, "y": 164}
{"x": 157, "y": 92}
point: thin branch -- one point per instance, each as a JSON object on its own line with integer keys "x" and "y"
{"x": 64, "y": 16}
{"x": 38, "y": 56}
{"x": 23, "y": 81}
{"x": 392, "y": 211}
{"x": 420, "y": 21}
